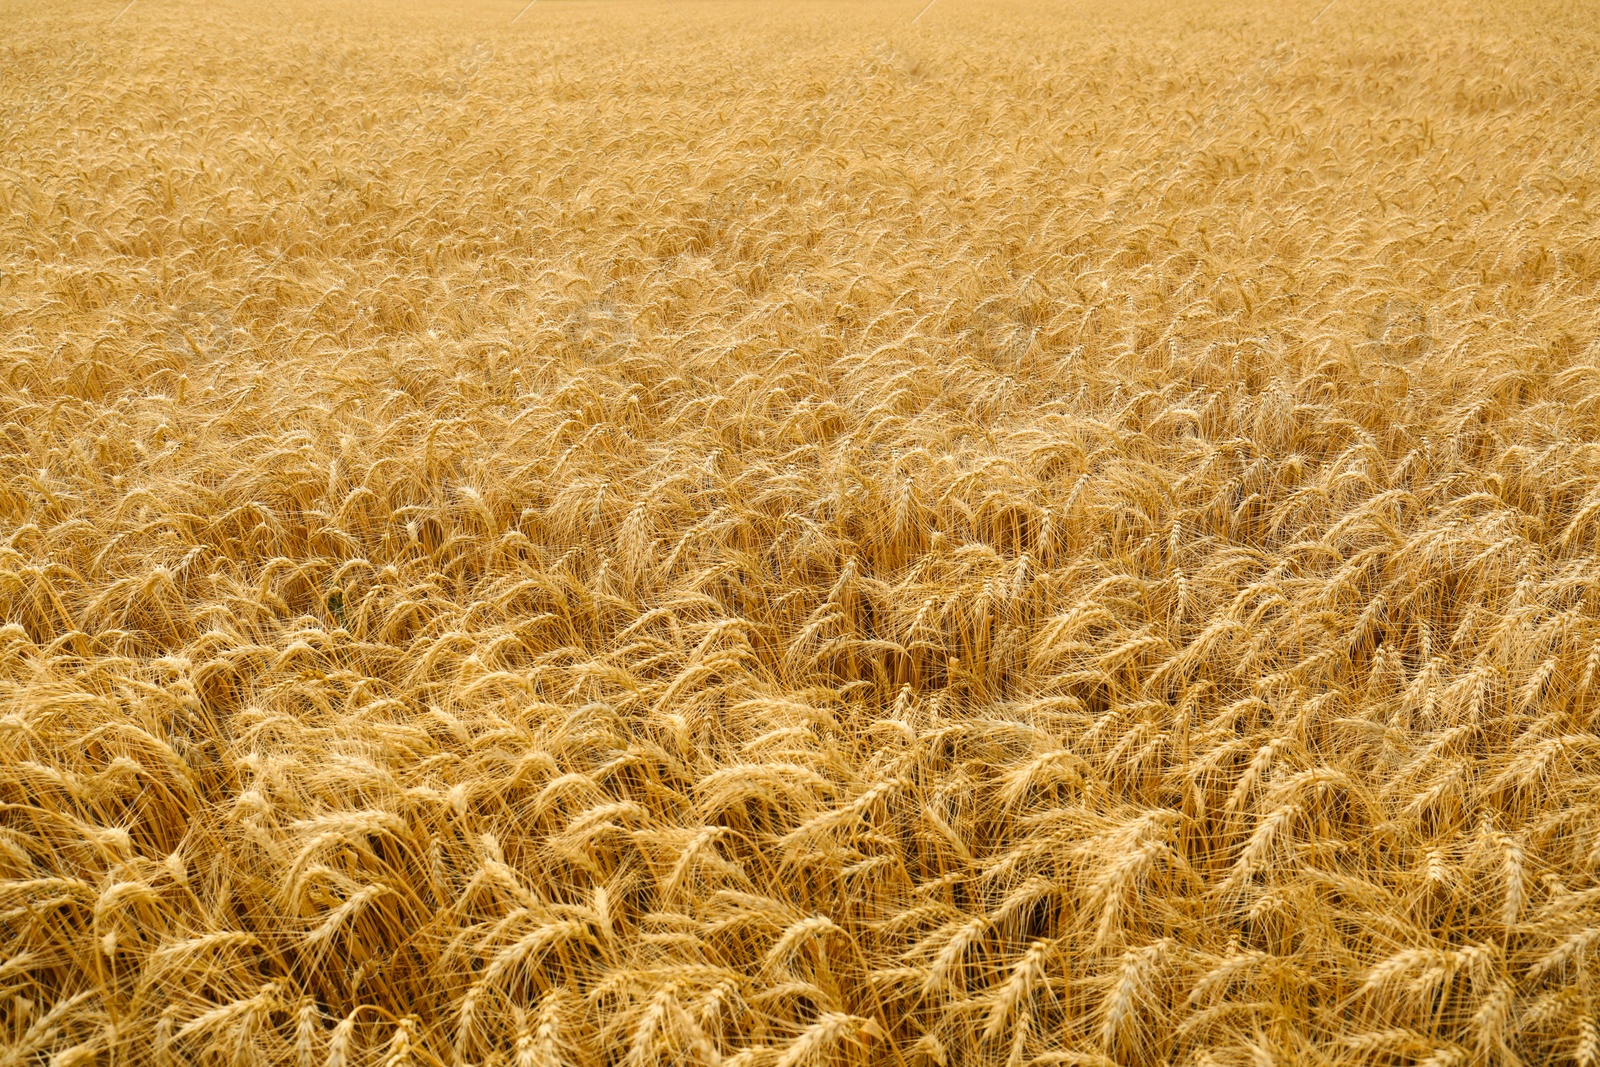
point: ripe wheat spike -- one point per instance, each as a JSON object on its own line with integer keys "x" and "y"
{"x": 984, "y": 534}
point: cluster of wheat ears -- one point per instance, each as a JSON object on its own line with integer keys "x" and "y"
{"x": 776, "y": 535}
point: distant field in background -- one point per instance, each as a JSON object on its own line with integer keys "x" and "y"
{"x": 783, "y": 534}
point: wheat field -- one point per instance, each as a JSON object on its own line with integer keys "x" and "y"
{"x": 628, "y": 532}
